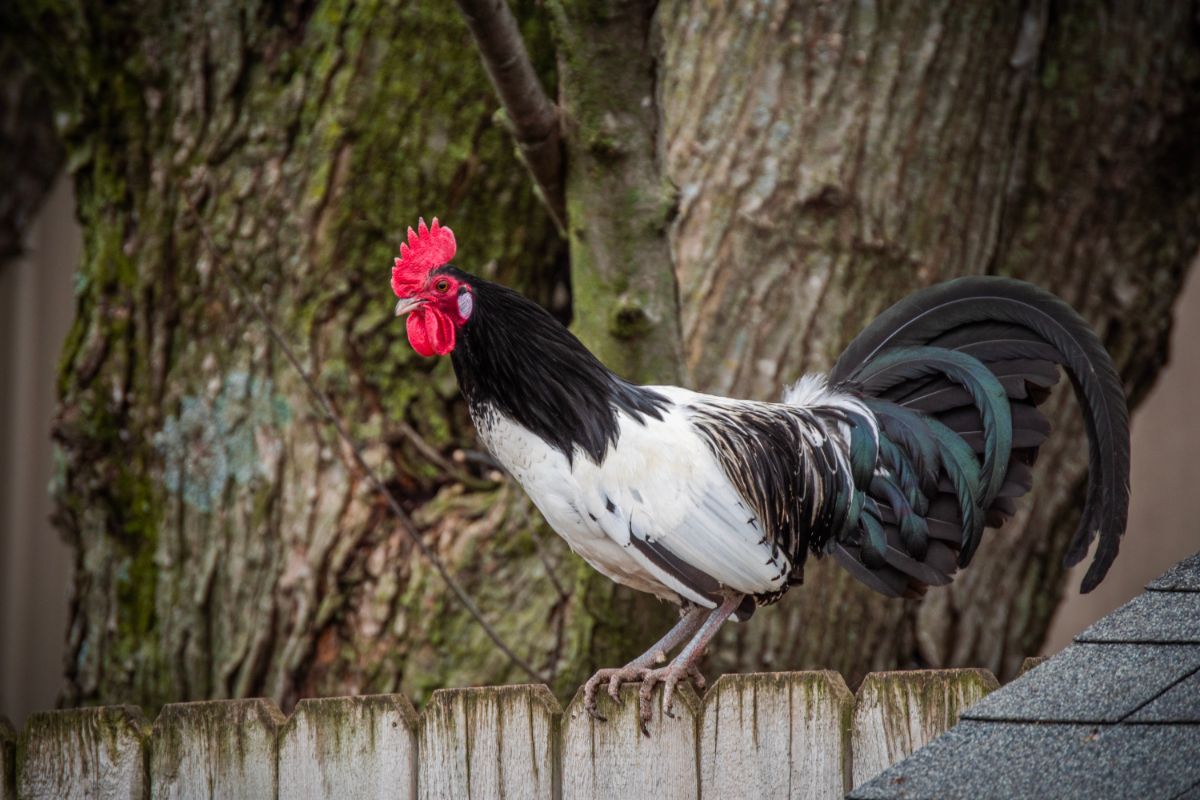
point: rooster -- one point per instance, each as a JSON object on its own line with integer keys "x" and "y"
{"x": 922, "y": 436}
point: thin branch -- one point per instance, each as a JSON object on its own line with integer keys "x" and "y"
{"x": 326, "y": 406}
{"x": 532, "y": 115}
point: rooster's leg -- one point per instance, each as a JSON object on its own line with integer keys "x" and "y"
{"x": 684, "y": 664}
{"x": 689, "y": 622}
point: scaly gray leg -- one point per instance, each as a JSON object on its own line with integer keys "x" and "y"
{"x": 689, "y": 622}
{"x": 684, "y": 665}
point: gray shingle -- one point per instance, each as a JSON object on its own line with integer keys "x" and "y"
{"x": 1191, "y": 794}
{"x": 1183, "y": 577}
{"x": 1115, "y": 715}
{"x": 983, "y": 760}
{"x": 1180, "y": 703}
{"x": 1090, "y": 683}
{"x": 1150, "y": 617}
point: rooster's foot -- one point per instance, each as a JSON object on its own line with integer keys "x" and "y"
{"x": 697, "y": 623}
{"x": 614, "y": 677}
{"x": 669, "y": 677}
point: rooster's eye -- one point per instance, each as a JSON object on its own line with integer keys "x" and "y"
{"x": 442, "y": 285}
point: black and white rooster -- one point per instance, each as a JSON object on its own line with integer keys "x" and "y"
{"x": 921, "y": 436}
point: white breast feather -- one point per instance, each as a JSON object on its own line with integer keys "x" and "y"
{"x": 660, "y": 482}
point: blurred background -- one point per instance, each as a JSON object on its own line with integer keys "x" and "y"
{"x": 142, "y": 561}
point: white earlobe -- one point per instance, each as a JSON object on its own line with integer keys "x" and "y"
{"x": 466, "y": 304}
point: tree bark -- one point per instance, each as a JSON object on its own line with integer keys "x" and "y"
{"x": 747, "y": 186}
{"x": 834, "y": 157}
{"x": 619, "y": 204}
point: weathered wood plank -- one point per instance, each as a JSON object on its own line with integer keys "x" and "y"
{"x": 349, "y": 747}
{"x": 614, "y": 760}
{"x": 776, "y": 735}
{"x": 497, "y": 741}
{"x": 897, "y": 712}
{"x": 217, "y": 749}
{"x": 8, "y": 757}
{"x": 94, "y": 753}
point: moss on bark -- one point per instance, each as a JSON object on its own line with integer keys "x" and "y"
{"x": 618, "y": 203}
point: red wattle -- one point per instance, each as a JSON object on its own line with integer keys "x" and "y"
{"x": 430, "y": 332}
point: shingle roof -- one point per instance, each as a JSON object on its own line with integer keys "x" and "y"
{"x": 1116, "y": 714}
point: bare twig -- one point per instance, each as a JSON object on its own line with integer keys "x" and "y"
{"x": 326, "y": 406}
{"x": 407, "y": 432}
{"x": 532, "y": 115}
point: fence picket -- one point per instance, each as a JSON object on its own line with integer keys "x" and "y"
{"x": 776, "y": 735}
{"x": 614, "y": 760}
{"x": 215, "y": 749}
{"x": 349, "y": 747}
{"x": 770, "y": 735}
{"x": 94, "y": 753}
{"x": 898, "y": 712}
{"x": 496, "y": 741}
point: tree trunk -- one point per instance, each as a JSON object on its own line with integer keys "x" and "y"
{"x": 833, "y": 157}
{"x": 619, "y": 204}
{"x": 749, "y": 187}
{"x": 226, "y": 543}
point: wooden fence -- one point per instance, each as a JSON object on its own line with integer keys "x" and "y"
{"x": 785, "y": 735}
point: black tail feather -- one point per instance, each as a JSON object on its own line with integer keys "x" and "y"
{"x": 1022, "y": 334}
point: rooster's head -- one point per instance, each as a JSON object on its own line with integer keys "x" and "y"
{"x": 437, "y": 303}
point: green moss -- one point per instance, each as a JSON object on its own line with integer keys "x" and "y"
{"x": 629, "y": 320}
{"x": 137, "y": 583}
{"x": 617, "y": 200}
{"x": 603, "y": 143}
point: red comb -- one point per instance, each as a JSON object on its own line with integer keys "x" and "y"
{"x": 426, "y": 250}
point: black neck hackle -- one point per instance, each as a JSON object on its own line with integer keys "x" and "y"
{"x": 513, "y": 356}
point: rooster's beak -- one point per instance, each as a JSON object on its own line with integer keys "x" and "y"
{"x": 407, "y": 304}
